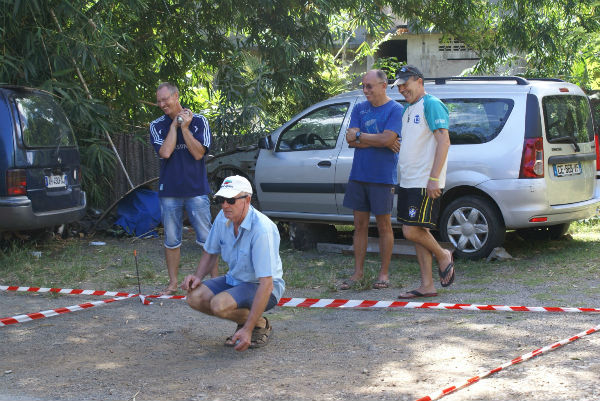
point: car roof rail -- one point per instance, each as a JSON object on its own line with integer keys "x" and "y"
{"x": 547, "y": 79}
{"x": 442, "y": 80}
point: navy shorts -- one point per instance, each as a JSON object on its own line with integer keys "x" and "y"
{"x": 369, "y": 197}
{"x": 243, "y": 293}
{"x": 416, "y": 208}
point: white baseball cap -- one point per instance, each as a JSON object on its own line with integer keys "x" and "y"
{"x": 233, "y": 185}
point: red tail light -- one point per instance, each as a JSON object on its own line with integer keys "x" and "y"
{"x": 597, "y": 153}
{"x": 16, "y": 182}
{"x": 532, "y": 161}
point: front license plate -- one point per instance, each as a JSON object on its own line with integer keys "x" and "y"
{"x": 561, "y": 170}
{"x": 56, "y": 181}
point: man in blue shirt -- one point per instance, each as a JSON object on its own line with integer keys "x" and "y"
{"x": 181, "y": 139}
{"x": 249, "y": 243}
{"x": 374, "y": 130}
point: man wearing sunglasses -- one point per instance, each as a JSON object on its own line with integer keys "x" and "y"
{"x": 373, "y": 133}
{"x": 248, "y": 241}
{"x": 181, "y": 140}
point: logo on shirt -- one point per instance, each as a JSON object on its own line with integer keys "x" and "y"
{"x": 371, "y": 126}
{"x": 412, "y": 212}
{"x": 417, "y": 119}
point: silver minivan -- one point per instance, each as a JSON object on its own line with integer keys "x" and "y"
{"x": 523, "y": 158}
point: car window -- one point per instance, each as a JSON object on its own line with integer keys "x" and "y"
{"x": 475, "y": 121}
{"x": 318, "y": 130}
{"x": 568, "y": 117}
{"x": 43, "y": 123}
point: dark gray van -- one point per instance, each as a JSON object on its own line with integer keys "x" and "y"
{"x": 40, "y": 173}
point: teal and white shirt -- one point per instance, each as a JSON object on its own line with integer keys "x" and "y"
{"x": 417, "y": 152}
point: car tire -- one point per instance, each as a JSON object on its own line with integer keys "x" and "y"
{"x": 473, "y": 226}
{"x": 554, "y": 232}
{"x": 304, "y": 236}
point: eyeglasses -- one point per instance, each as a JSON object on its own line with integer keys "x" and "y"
{"x": 369, "y": 86}
{"x": 219, "y": 200}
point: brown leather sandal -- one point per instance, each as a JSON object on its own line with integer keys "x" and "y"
{"x": 229, "y": 340}
{"x": 260, "y": 335}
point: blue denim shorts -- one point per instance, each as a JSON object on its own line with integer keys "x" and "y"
{"x": 198, "y": 211}
{"x": 369, "y": 197}
{"x": 243, "y": 293}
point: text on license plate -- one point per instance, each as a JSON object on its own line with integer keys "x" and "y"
{"x": 56, "y": 181}
{"x": 561, "y": 170}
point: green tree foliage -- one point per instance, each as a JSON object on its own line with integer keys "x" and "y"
{"x": 544, "y": 37}
{"x": 250, "y": 64}
{"x": 259, "y": 61}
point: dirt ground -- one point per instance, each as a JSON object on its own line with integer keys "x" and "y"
{"x": 166, "y": 351}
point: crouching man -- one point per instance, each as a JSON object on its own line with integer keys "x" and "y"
{"x": 249, "y": 243}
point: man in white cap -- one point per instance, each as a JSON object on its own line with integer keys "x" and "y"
{"x": 249, "y": 243}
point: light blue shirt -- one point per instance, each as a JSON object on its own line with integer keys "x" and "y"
{"x": 253, "y": 254}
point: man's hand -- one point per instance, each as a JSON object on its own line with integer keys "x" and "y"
{"x": 187, "y": 116}
{"x": 191, "y": 282}
{"x": 433, "y": 189}
{"x": 241, "y": 339}
{"x": 395, "y": 146}
{"x": 351, "y": 134}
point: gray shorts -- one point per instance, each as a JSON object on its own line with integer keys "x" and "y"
{"x": 369, "y": 197}
{"x": 243, "y": 293}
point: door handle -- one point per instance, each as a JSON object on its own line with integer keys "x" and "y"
{"x": 324, "y": 163}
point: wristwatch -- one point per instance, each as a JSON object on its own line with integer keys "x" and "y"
{"x": 357, "y": 135}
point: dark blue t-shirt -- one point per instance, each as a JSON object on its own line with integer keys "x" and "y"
{"x": 181, "y": 175}
{"x": 376, "y": 165}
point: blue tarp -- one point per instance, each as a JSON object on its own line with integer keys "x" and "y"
{"x": 139, "y": 213}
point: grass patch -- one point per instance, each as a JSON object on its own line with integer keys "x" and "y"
{"x": 548, "y": 269}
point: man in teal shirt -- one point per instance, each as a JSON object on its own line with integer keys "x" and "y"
{"x": 249, "y": 243}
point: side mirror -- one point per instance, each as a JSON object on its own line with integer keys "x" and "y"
{"x": 265, "y": 142}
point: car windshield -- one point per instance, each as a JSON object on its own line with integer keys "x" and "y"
{"x": 43, "y": 123}
{"x": 567, "y": 118}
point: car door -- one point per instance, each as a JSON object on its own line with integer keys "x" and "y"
{"x": 297, "y": 176}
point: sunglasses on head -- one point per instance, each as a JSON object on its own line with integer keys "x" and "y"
{"x": 219, "y": 200}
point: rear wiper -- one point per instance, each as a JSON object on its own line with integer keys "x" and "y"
{"x": 567, "y": 139}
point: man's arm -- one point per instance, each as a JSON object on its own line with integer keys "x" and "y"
{"x": 442, "y": 139}
{"x": 207, "y": 261}
{"x": 194, "y": 146}
{"x": 170, "y": 141}
{"x": 261, "y": 298}
{"x": 386, "y": 139}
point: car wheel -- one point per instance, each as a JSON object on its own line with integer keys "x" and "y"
{"x": 304, "y": 236}
{"x": 473, "y": 225}
{"x": 544, "y": 233}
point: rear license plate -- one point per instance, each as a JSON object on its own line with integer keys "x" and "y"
{"x": 56, "y": 181}
{"x": 561, "y": 170}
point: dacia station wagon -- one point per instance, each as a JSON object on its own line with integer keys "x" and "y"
{"x": 522, "y": 157}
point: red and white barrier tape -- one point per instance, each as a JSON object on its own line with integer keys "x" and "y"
{"x": 333, "y": 303}
{"x": 348, "y": 303}
{"x": 540, "y": 351}
{"x": 55, "y": 312}
{"x": 70, "y": 291}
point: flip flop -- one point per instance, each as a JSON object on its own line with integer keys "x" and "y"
{"x": 381, "y": 284}
{"x": 347, "y": 284}
{"x": 417, "y": 294}
{"x": 168, "y": 291}
{"x": 448, "y": 271}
